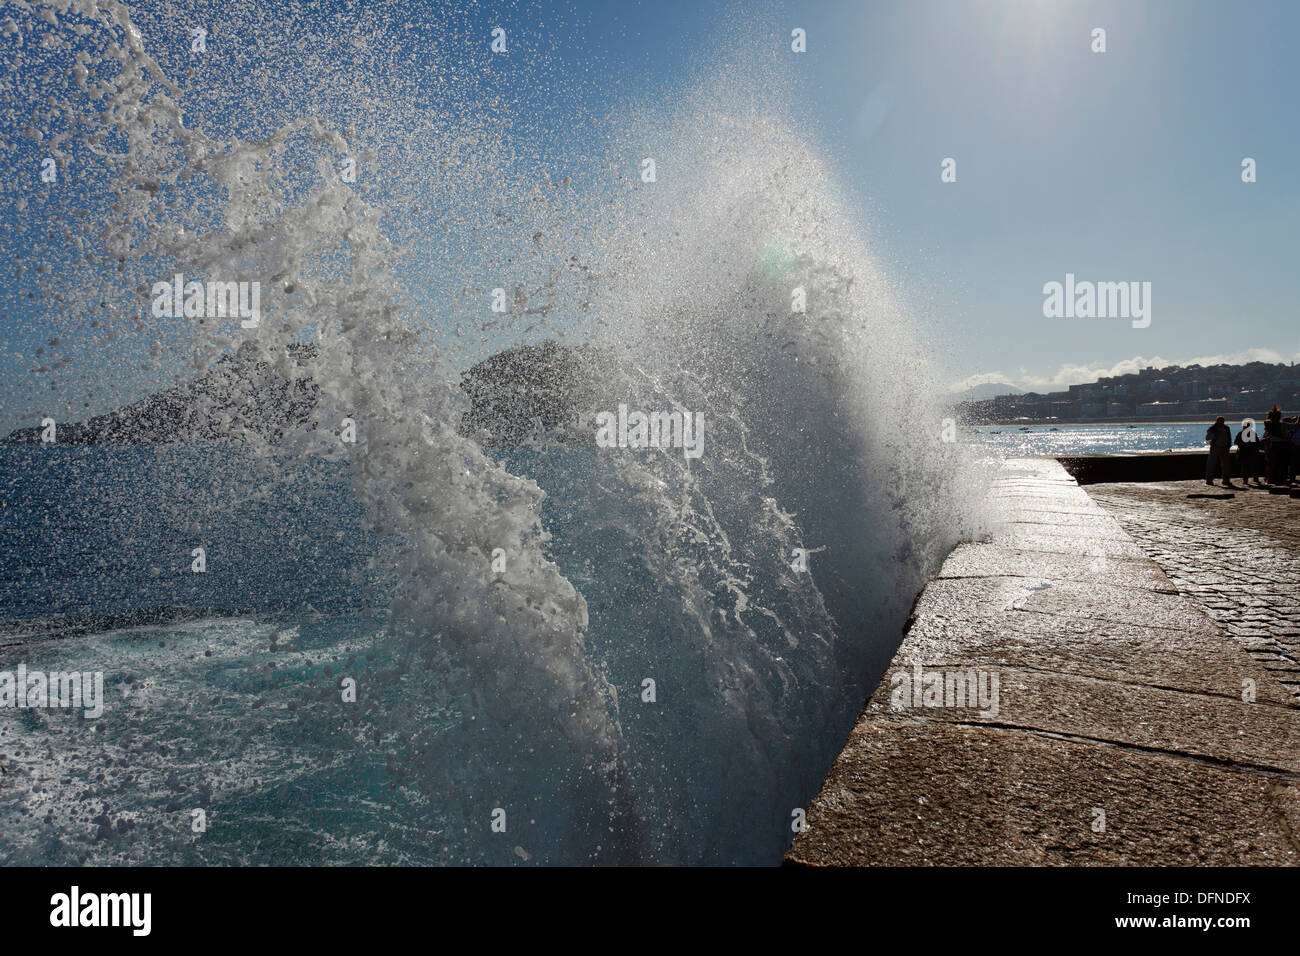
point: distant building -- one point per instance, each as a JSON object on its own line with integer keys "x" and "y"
{"x": 1153, "y": 394}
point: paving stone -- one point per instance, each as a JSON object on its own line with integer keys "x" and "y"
{"x": 1091, "y": 545}
{"x": 1109, "y": 650}
{"x": 933, "y": 794}
{"x": 1197, "y": 724}
{"x": 985, "y": 560}
{"x": 1239, "y": 559}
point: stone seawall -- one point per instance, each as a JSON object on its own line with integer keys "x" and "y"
{"x": 1126, "y": 727}
{"x": 1152, "y": 466}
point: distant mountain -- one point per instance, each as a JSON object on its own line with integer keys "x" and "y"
{"x": 514, "y": 395}
{"x": 525, "y": 391}
{"x": 237, "y": 395}
{"x": 982, "y": 392}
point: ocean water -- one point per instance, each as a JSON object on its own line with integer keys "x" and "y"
{"x": 422, "y": 646}
{"x": 1090, "y": 439}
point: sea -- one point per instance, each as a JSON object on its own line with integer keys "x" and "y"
{"x": 1100, "y": 439}
{"x": 290, "y": 695}
{"x": 380, "y": 638}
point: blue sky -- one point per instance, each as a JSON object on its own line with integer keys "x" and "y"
{"x": 1123, "y": 165}
{"x": 1115, "y": 166}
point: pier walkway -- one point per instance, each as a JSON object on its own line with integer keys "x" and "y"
{"x": 1057, "y": 700}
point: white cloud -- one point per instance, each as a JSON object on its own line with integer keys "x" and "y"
{"x": 1071, "y": 374}
{"x": 983, "y": 378}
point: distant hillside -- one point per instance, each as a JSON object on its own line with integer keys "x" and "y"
{"x": 514, "y": 394}
{"x": 237, "y": 395}
{"x": 524, "y": 391}
{"x": 1171, "y": 393}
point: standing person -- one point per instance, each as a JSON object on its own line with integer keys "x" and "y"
{"x": 1219, "y": 437}
{"x": 1292, "y": 449}
{"x": 1248, "y": 453}
{"x": 1272, "y": 441}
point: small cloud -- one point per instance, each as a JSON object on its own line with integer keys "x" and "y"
{"x": 983, "y": 378}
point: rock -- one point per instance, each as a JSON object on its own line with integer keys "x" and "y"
{"x": 523, "y": 392}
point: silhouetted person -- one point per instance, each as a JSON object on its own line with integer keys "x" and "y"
{"x": 1292, "y": 448}
{"x": 1248, "y": 454}
{"x": 1219, "y": 437}
{"x": 1279, "y": 448}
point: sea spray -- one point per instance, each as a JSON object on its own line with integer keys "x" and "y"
{"x": 607, "y": 650}
{"x": 514, "y": 641}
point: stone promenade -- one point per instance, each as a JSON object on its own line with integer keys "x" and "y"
{"x": 1057, "y": 700}
{"x": 1238, "y": 558}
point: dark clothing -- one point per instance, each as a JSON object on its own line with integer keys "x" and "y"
{"x": 1272, "y": 439}
{"x": 1278, "y": 465}
{"x": 1218, "y": 455}
{"x": 1294, "y": 452}
{"x": 1248, "y": 456}
{"x": 1219, "y": 438}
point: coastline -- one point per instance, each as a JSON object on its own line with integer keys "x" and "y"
{"x": 1138, "y": 422}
